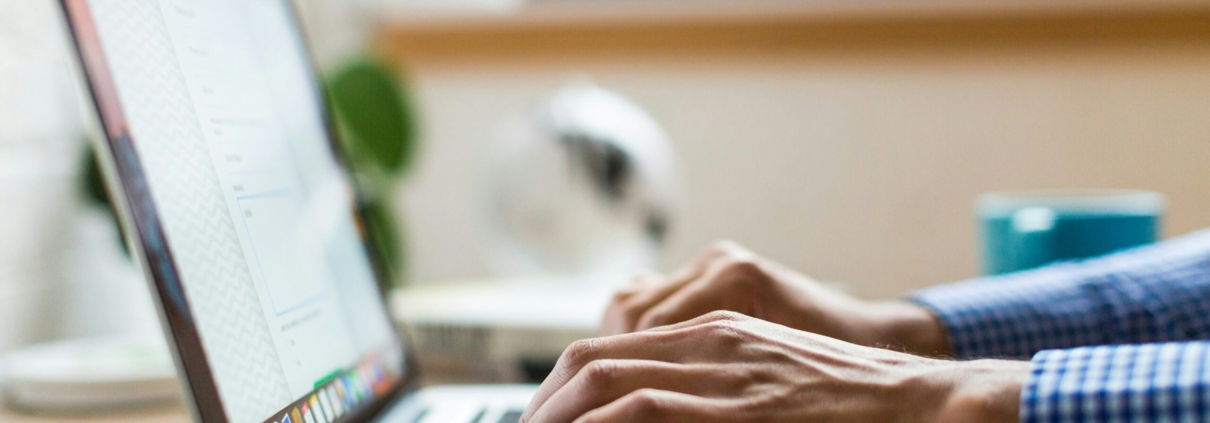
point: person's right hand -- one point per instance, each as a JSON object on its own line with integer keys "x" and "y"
{"x": 728, "y": 368}
{"x": 728, "y": 277}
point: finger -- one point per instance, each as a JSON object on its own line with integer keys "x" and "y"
{"x": 659, "y": 346}
{"x": 627, "y": 307}
{"x": 696, "y": 341}
{"x": 615, "y": 321}
{"x": 696, "y": 299}
{"x": 605, "y": 381}
{"x": 696, "y": 267}
{"x": 714, "y": 316}
{"x": 716, "y": 290}
{"x": 651, "y": 405}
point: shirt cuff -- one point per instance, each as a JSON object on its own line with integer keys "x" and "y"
{"x": 1124, "y": 383}
{"x": 1014, "y": 316}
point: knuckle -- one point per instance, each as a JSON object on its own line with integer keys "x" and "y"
{"x": 622, "y": 298}
{"x": 580, "y": 352}
{"x": 743, "y": 267}
{"x": 725, "y": 317}
{"x": 725, "y": 332}
{"x": 599, "y": 375}
{"x": 621, "y": 295}
{"x": 644, "y": 402}
{"x": 746, "y": 275}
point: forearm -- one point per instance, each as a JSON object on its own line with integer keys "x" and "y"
{"x": 1154, "y": 294}
{"x": 904, "y": 326}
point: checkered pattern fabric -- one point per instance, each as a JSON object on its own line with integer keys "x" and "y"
{"x": 1124, "y": 383}
{"x": 1159, "y": 293}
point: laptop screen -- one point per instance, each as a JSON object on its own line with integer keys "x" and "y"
{"x": 213, "y": 110}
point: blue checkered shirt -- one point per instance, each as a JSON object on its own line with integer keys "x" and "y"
{"x": 1122, "y": 338}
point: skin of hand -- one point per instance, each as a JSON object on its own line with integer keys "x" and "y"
{"x": 726, "y": 276}
{"x": 727, "y": 367}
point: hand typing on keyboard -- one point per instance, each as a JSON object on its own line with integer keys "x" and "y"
{"x": 727, "y": 367}
{"x": 670, "y": 358}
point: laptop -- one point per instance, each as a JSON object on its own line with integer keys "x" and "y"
{"x": 241, "y": 212}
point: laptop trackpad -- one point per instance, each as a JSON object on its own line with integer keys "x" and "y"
{"x": 464, "y": 404}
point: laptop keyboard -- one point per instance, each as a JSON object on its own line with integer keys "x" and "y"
{"x": 511, "y": 416}
{"x": 421, "y": 415}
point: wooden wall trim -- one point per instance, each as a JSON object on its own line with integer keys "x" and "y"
{"x": 613, "y": 31}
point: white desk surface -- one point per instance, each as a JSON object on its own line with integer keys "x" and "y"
{"x": 170, "y": 414}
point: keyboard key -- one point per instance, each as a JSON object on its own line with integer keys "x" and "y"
{"x": 479, "y": 416}
{"x": 511, "y": 416}
{"x": 421, "y": 415}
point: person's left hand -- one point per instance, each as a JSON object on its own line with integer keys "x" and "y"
{"x": 727, "y": 367}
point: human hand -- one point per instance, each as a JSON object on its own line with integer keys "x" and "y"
{"x": 725, "y": 276}
{"x": 726, "y": 367}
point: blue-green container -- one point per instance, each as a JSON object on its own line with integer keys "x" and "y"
{"x": 1027, "y": 229}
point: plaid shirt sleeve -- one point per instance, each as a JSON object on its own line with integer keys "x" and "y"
{"x": 1158, "y": 293}
{"x": 1123, "y": 383}
{"x": 1072, "y": 317}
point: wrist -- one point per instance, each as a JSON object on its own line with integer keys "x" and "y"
{"x": 985, "y": 391}
{"x": 910, "y": 327}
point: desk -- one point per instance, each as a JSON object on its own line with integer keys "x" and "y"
{"x": 172, "y": 414}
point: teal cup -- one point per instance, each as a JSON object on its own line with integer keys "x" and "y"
{"x": 1028, "y": 229}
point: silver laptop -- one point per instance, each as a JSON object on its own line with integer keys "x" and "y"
{"x": 243, "y": 216}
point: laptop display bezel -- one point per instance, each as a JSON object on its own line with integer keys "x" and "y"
{"x": 145, "y": 234}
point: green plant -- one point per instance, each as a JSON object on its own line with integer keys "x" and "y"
{"x": 378, "y": 131}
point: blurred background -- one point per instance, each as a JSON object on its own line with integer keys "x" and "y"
{"x": 848, "y": 140}
{"x": 845, "y": 139}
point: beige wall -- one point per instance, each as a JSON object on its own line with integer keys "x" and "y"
{"x": 857, "y": 162}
